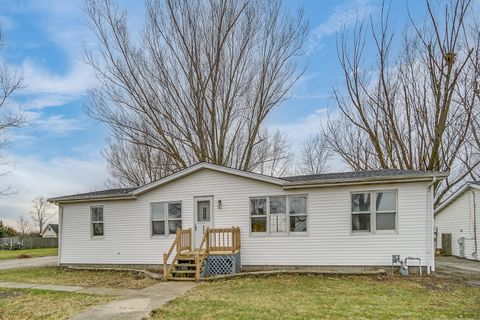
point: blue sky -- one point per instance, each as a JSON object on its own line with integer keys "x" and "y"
{"x": 59, "y": 151}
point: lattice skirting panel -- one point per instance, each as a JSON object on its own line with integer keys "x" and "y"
{"x": 222, "y": 264}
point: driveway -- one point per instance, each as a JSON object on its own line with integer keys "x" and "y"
{"x": 461, "y": 269}
{"x": 28, "y": 262}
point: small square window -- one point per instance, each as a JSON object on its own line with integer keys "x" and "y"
{"x": 360, "y": 202}
{"x": 258, "y": 206}
{"x": 361, "y": 222}
{"x": 259, "y": 224}
{"x": 385, "y": 221}
{"x": 278, "y": 204}
{"x": 158, "y": 227}
{"x": 298, "y": 223}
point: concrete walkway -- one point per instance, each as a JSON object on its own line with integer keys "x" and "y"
{"x": 460, "y": 269}
{"x": 76, "y": 289}
{"x": 131, "y": 305}
{"x": 139, "y": 304}
{"x": 28, "y": 262}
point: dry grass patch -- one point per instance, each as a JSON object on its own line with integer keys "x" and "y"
{"x": 17, "y": 304}
{"x": 326, "y": 297}
{"x": 27, "y": 253}
{"x": 84, "y": 278}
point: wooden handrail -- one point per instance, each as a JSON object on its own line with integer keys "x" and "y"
{"x": 223, "y": 239}
{"x": 215, "y": 240}
{"x": 183, "y": 241}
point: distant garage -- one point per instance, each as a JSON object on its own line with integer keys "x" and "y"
{"x": 457, "y": 223}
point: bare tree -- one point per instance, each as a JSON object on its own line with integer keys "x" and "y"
{"x": 10, "y": 81}
{"x": 133, "y": 164}
{"x": 273, "y": 156}
{"x": 41, "y": 213}
{"x": 315, "y": 154}
{"x": 414, "y": 109}
{"x": 24, "y": 226}
{"x": 199, "y": 82}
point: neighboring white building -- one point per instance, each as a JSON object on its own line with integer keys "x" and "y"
{"x": 356, "y": 219}
{"x": 51, "y": 231}
{"x": 456, "y": 218}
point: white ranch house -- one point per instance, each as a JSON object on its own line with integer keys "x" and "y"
{"x": 457, "y": 223}
{"x": 208, "y": 212}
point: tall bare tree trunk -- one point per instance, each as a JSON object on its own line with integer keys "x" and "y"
{"x": 200, "y": 81}
{"x": 415, "y": 110}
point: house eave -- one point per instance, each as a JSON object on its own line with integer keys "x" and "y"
{"x": 59, "y": 201}
{"x": 201, "y": 166}
{"x": 360, "y": 181}
{"x": 455, "y": 196}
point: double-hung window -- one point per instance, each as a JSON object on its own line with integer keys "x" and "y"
{"x": 96, "y": 214}
{"x": 258, "y": 214}
{"x": 278, "y": 215}
{"x": 385, "y": 210}
{"x": 368, "y": 215}
{"x": 166, "y": 218}
{"x": 361, "y": 211}
{"x": 298, "y": 213}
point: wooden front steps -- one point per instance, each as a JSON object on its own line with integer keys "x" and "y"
{"x": 186, "y": 266}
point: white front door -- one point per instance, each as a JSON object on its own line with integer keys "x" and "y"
{"x": 203, "y": 218}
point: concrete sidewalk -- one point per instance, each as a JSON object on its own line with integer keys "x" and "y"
{"x": 131, "y": 305}
{"x": 76, "y": 289}
{"x": 139, "y": 304}
{"x": 28, "y": 262}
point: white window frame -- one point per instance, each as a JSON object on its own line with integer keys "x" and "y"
{"x": 166, "y": 219}
{"x": 373, "y": 212}
{"x": 97, "y": 221}
{"x": 267, "y": 216}
{"x": 297, "y": 214}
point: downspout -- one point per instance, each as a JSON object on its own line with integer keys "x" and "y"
{"x": 475, "y": 253}
{"x": 431, "y": 252}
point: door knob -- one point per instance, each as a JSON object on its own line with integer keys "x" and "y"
{"x": 195, "y": 227}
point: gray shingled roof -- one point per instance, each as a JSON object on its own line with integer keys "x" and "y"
{"x": 97, "y": 194}
{"x": 54, "y": 227}
{"x": 356, "y": 175}
{"x": 291, "y": 181}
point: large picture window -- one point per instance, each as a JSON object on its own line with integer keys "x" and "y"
{"x": 166, "y": 218}
{"x": 96, "y": 214}
{"x": 380, "y": 215}
{"x": 278, "y": 215}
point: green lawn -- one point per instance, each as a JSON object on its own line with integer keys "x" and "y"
{"x": 17, "y": 304}
{"x": 84, "y": 278}
{"x": 317, "y": 297}
{"x": 27, "y": 253}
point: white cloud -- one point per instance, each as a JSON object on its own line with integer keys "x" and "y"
{"x": 344, "y": 15}
{"x": 301, "y": 129}
{"x": 39, "y": 80}
{"x": 58, "y": 125}
{"x": 33, "y": 177}
{"x": 6, "y": 23}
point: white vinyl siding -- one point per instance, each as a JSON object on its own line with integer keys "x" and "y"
{"x": 328, "y": 240}
{"x": 457, "y": 219}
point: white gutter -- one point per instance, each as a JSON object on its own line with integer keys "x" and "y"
{"x": 430, "y": 226}
{"x": 345, "y": 182}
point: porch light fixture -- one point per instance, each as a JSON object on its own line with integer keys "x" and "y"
{"x": 219, "y": 204}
